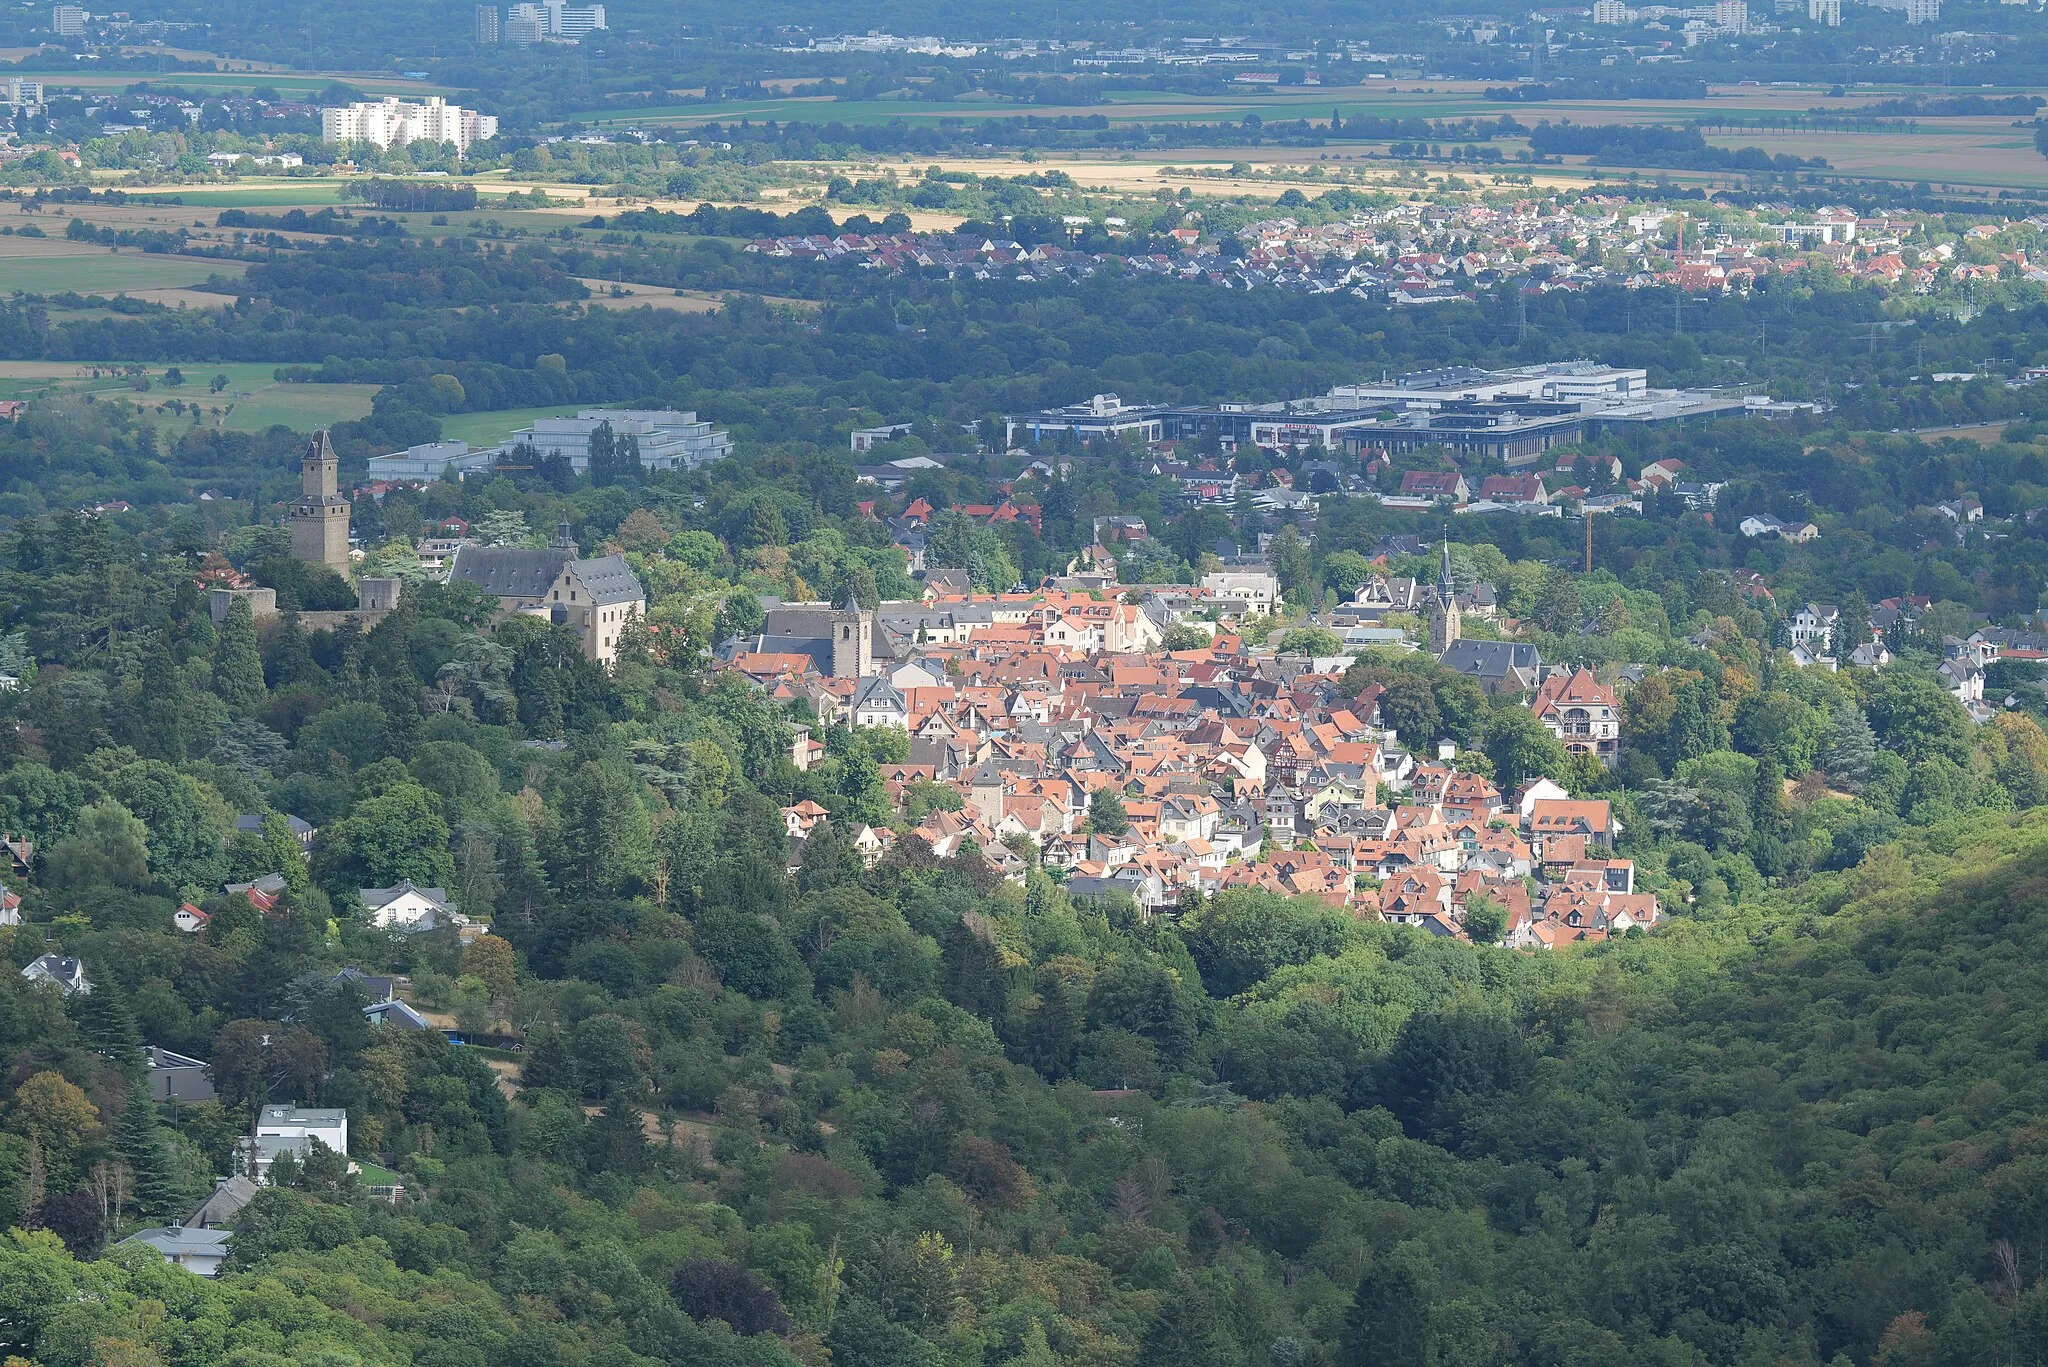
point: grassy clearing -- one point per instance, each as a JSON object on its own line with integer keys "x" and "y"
{"x": 301, "y": 407}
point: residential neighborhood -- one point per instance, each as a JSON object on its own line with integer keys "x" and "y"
{"x": 1227, "y": 765}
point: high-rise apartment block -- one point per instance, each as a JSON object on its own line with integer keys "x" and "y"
{"x": 1923, "y": 11}
{"x": 487, "y": 25}
{"x": 390, "y": 122}
{"x": 68, "y": 21}
{"x": 1825, "y": 12}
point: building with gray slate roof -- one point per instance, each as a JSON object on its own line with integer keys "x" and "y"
{"x": 199, "y": 1251}
{"x": 178, "y": 1077}
{"x": 841, "y": 642}
{"x": 1497, "y": 666}
{"x": 599, "y": 599}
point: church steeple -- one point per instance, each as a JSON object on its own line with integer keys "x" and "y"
{"x": 1444, "y": 623}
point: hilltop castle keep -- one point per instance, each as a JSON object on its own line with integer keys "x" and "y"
{"x": 320, "y": 517}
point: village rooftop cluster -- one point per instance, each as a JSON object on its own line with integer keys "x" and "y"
{"x": 1422, "y": 253}
{"x": 1234, "y": 766}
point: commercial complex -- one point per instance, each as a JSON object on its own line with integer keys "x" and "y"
{"x": 1509, "y": 415}
{"x": 391, "y": 122}
{"x": 667, "y": 439}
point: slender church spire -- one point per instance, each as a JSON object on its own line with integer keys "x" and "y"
{"x": 1444, "y": 623}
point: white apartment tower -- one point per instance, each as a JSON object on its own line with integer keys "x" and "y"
{"x": 1612, "y": 12}
{"x": 1732, "y": 16}
{"x": 68, "y": 21}
{"x": 389, "y": 122}
{"x": 1826, "y": 12}
{"x": 1923, "y": 11}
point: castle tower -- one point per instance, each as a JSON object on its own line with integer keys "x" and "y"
{"x": 852, "y": 642}
{"x": 320, "y": 517}
{"x": 1444, "y": 625}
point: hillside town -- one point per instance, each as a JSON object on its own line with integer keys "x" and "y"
{"x": 1057, "y": 721}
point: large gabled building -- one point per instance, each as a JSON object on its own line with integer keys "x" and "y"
{"x": 598, "y": 598}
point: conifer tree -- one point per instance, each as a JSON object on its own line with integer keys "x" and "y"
{"x": 142, "y": 1145}
{"x": 287, "y": 658}
{"x": 547, "y": 1061}
{"x": 157, "y": 716}
{"x": 1389, "y": 1323}
{"x": 106, "y": 1024}
{"x": 237, "y": 661}
{"x": 1851, "y": 747}
{"x": 615, "y": 1140}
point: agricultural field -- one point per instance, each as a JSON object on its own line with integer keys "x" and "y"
{"x": 52, "y": 265}
{"x": 269, "y": 193}
{"x": 288, "y": 84}
{"x": 252, "y": 400}
{"x": 1981, "y": 153}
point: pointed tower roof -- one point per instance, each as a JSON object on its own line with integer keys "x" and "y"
{"x": 563, "y": 540}
{"x": 320, "y": 448}
{"x": 1444, "y": 587}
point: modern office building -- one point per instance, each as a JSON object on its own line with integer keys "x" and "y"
{"x": 573, "y": 21}
{"x": 553, "y": 20}
{"x": 1510, "y": 415}
{"x": 668, "y": 439}
{"x": 391, "y": 122}
{"x": 431, "y": 461}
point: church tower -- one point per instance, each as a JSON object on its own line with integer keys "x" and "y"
{"x": 852, "y": 641}
{"x": 1444, "y": 625}
{"x": 320, "y": 517}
